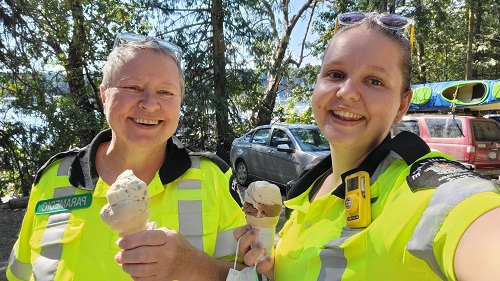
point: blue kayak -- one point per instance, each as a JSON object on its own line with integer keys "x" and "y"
{"x": 451, "y": 95}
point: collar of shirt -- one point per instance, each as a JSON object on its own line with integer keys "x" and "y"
{"x": 83, "y": 173}
{"x": 408, "y": 145}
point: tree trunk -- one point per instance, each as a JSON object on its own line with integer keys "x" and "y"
{"x": 221, "y": 95}
{"x": 76, "y": 76}
{"x": 477, "y": 32}
{"x": 276, "y": 72}
{"x": 470, "y": 40}
{"x": 264, "y": 115}
{"x": 423, "y": 67}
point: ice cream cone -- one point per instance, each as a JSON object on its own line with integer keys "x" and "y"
{"x": 263, "y": 205}
{"x": 262, "y": 222}
{"x": 120, "y": 217}
{"x": 266, "y": 238}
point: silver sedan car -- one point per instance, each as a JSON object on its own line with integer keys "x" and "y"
{"x": 277, "y": 153}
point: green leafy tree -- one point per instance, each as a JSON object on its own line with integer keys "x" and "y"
{"x": 51, "y": 54}
{"x": 222, "y": 40}
{"x": 441, "y": 35}
{"x": 279, "y": 60}
{"x": 237, "y": 59}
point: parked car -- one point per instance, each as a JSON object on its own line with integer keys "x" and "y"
{"x": 277, "y": 153}
{"x": 495, "y": 117}
{"x": 474, "y": 141}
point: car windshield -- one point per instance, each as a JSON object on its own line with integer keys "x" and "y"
{"x": 310, "y": 139}
{"x": 444, "y": 127}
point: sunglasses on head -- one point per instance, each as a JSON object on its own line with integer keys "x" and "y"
{"x": 122, "y": 38}
{"x": 389, "y": 21}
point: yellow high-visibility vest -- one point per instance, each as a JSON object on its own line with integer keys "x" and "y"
{"x": 63, "y": 237}
{"x": 419, "y": 212}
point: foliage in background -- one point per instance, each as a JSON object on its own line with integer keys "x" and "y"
{"x": 441, "y": 31}
{"x": 255, "y": 44}
{"x": 51, "y": 53}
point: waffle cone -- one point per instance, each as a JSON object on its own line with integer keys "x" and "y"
{"x": 135, "y": 225}
{"x": 262, "y": 222}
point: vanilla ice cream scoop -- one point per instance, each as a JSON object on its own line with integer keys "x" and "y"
{"x": 127, "y": 210}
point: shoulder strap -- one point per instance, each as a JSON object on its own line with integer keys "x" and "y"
{"x": 212, "y": 157}
{"x": 54, "y": 158}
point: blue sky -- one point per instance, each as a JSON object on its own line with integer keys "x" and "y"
{"x": 297, "y": 36}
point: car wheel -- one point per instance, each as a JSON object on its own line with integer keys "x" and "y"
{"x": 242, "y": 173}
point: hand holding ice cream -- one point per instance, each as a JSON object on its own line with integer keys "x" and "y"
{"x": 127, "y": 210}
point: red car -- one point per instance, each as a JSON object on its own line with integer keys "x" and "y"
{"x": 474, "y": 141}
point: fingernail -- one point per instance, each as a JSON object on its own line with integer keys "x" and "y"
{"x": 122, "y": 244}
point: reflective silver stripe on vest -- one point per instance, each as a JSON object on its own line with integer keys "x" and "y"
{"x": 190, "y": 211}
{"x": 190, "y": 222}
{"x": 195, "y": 162}
{"x": 20, "y": 269}
{"x": 333, "y": 260}
{"x": 384, "y": 164}
{"x": 189, "y": 184}
{"x": 445, "y": 198}
{"x": 63, "y": 168}
{"x": 225, "y": 244}
{"x": 45, "y": 265}
{"x": 64, "y": 191}
{"x": 24, "y": 271}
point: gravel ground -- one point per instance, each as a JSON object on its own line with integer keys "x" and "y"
{"x": 10, "y": 222}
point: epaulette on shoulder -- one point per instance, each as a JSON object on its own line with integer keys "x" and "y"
{"x": 54, "y": 158}
{"x": 212, "y": 157}
{"x": 435, "y": 171}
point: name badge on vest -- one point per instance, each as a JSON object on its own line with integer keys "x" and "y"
{"x": 61, "y": 204}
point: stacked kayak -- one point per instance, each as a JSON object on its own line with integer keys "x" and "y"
{"x": 451, "y": 95}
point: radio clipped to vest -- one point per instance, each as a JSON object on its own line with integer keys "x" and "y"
{"x": 357, "y": 201}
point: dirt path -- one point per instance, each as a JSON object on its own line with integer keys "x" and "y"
{"x": 10, "y": 222}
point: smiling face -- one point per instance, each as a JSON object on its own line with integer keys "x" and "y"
{"x": 358, "y": 96}
{"x": 142, "y": 103}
